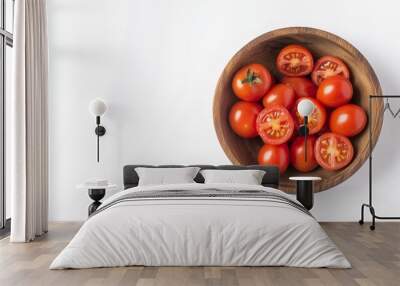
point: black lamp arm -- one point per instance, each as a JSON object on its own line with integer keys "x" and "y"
{"x": 305, "y": 137}
{"x": 100, "y": 131}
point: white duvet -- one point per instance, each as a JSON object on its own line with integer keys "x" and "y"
{"x": 200, "y": 231}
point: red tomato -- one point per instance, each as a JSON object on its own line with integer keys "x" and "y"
{"x": 275, "y": 125}
{"x": 333, "y": 151}
{"x": 348, "y": 120}
{"x": 242, "y": 118}
{"x": 294, "y": 60}
{"x": 276, "y": 155}
{"x": 280, "y": 94}
{"x": 297, "y": 154}
{"x": 316, "y": 120}
{"x": 328, "y": 66}
{"x": 302, "y": 86}
{"x": 335, "y": 91}
{"x": 251, "y": 82}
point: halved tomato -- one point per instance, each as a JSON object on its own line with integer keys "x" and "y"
{"x": 333, "y": 151}
{"x": 328, "y": 66}
{"x": 251, "y": 82}
{"x": 302, "y": 86}
{"x": 275, "y": 125}
{"x": 281, "y": 94}
{"x": 315, "y": 121}
{"x": 294, "y": 60}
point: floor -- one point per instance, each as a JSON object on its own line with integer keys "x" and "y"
{"x": 375, "y": 257}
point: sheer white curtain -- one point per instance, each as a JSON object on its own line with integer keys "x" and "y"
{"x": 28, "y": 161}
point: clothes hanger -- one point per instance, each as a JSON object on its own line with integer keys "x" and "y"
{"x": 369, "y": 205}
{"x": 387, "y": 107}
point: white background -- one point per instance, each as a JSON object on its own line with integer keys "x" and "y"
{"x": 156, "y": 64}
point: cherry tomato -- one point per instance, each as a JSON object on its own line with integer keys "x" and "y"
{"x": 297, "y": 154}
{"x": 280, "y": 94}
{"x": 276, "y": 155}
{"x": 294, "y": 60}
{"x": 275, "y": 125}
{"x": 316, "y": 120}
{"x": 328, "y": 66}
{"x": 333, "y": 151}
{"x": 302, "y": 86}
{"x": 251, "y": 82}
{"x": 348, "y": 120}
{"x": 242, "y": 118}
{"x": 335, "y": 91}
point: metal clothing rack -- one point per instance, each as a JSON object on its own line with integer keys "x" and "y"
{"x": 370, "y": 202}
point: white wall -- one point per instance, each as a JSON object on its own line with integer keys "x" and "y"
{"x": 156, "y": 64}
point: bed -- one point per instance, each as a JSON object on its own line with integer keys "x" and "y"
{"x": 201, "y": 224}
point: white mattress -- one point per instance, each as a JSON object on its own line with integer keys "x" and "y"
{"x": 200, "y": 231}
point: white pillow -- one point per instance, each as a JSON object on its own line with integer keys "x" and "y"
{"x": 248, "y": 177}
{"x": 163, "y": 176}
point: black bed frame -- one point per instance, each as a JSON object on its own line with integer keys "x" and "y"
{"x": 270, "y": 179}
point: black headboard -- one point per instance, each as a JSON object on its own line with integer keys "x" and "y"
{"x": 271, "y": 177}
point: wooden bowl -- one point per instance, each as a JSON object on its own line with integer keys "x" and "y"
{"x": 264, "y": 50}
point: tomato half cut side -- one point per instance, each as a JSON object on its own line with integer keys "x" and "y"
{"x": 328, "y": 66}
{"x": 333, "y": 151}
{"x": 275, "y": 125}
{"x": 317, "y": 119}
{"x": 295, "y": 60}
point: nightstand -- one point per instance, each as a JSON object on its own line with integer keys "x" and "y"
{"x": 96, "y": 193}
{"x": 304, "y": 190}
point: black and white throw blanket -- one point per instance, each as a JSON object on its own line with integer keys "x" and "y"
{"x": 206, "y": 194}
{"x": 201, "y": 224}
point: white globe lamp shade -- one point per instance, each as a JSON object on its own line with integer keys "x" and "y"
{"x": 97, "y": 107}
{"x": 305, "y": 107}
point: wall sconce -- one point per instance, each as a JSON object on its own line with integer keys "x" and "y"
{"x": 97, "y": 107}
{"x": 305, "y": 108}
